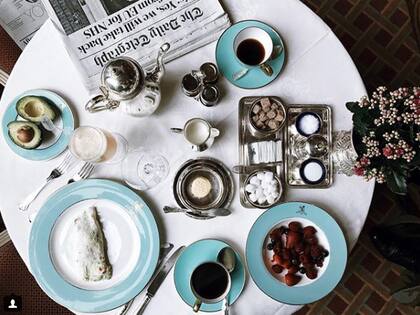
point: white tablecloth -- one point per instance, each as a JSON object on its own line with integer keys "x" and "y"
{"x": 318, "y": 70}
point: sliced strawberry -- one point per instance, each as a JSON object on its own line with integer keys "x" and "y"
{"x": 292, "y": 279}
{"x": 295, "y": 226}
{"x": 292, "y": 239}
{"x": 277, "y": 268}
{"x": 309, "y": 231}
{"x": 312, "y": 273}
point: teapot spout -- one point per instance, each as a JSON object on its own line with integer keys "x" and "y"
{"x": 159, "y": 70}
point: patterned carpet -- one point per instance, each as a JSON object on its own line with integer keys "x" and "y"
{"x": 379, "y": 36}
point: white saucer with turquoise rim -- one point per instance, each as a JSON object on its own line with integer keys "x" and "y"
{"x": 329, "y": 235}
{"x": 229, "y": 65}
{"x": 132, "y": 241}
{"x": 200, "y": 252}
{"x": 52, "y": 145}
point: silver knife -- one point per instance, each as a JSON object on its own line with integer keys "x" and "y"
{"x": 165, "y": 249}
{"x": 159, "y": 278}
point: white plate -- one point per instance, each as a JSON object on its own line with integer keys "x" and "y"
{"x": 122, "y": 238}
{"x": 322, "y": 240}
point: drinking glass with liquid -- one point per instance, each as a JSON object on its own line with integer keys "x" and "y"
{"x": 95, "y": 145}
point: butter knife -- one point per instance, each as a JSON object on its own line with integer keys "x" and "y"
{"x": 165, "y": 250}
{"x": 159, "y": 278}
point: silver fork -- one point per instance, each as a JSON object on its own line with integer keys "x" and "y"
{"x": 57, "y": 172}
{"x": 83, "y": 173}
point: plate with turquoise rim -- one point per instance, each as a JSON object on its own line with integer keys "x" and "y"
{"x": 309, "y": 290}
{"x": 54, "y": 145}
{"x": 200, "y": 252}
{"x": 228, "y": 63}
{"x": 46, "y": 255}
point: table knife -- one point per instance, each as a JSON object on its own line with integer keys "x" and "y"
{"x": 159, "y": 278}
{"x": 165, "y": 249}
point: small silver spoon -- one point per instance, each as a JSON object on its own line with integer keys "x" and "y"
{"x": 219, "y": 212}
{"x": 227, "y": 258}
{"x": 246, "y": 169}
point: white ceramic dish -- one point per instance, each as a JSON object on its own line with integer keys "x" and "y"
{"x": 122, "y": 238}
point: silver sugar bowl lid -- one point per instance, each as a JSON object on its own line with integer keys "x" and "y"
{"x": 123, "y": 78}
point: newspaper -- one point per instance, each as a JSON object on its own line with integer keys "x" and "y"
{"x": 21, "y": 19}
{"x": 100, "y": 30}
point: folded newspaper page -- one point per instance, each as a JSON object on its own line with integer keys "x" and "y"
{"x": 21, "y": 19}
{"x": 100, "y": 30}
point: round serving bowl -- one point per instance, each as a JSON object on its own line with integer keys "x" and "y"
{"x": 266, "y": 204}
{"x": 261, "y": 133}
{"x": 308, "y": 181}
{"x": 211, "y": 167}
{"x": 299, "y": 120}
{"x": 212, "y": 199}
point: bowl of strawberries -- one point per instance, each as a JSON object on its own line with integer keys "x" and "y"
{"x": 296, "y": 253}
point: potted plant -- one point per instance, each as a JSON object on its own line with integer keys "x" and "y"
{"x": 387, "y": 136}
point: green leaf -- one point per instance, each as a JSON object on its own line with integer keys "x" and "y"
{"x": 361, "y": 122}
{"x": 352, "y": 106}
{"x": 397, "y": 181}
{"x": 410, "y": 296}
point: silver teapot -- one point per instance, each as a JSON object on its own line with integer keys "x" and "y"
{"x": 124, "y": 83}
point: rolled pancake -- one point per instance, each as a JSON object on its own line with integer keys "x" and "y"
{"x": 90, "y": 247}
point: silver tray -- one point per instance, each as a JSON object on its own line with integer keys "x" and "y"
{"x": 292, "y": 161}
{"x": 245, "y": 138}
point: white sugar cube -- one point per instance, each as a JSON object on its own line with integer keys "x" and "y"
{"x": 275, "y": 194}
{"x": 250, "y": 188}
{"x": 268, "y": 176}
{"x": 262, "y": 200}
{"x": 266, "y": 192}
{"x": 259, "y": 192}
{"x": 265, "y": 184}
{"x": 270, "y": 199}
{"x": 255, "y": 181}
{"x": 271, "y": 189}
{"x": 253, "y": 197}
{"x": 260, "y": 175}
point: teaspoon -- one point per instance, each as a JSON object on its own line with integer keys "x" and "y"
{"x": 227, "y": 258}
{"x": 217, "y": 212}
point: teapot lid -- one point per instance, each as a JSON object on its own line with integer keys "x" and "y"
{"x": 123, "y": 77}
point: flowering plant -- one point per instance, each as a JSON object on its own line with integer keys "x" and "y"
{"x": 387, "y": 136}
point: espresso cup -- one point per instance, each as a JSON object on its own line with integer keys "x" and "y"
{"x": 210, "y": 283}
{"x": 253, "y": 47}
{"x": 199, "y": 133}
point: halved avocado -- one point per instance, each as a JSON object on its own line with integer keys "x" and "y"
{"x": 32, "y": 108}
{"x": 25, "y": 134}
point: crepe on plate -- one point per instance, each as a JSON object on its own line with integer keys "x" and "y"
{"x": 90, "y": 247}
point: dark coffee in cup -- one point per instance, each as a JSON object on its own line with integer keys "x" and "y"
{"x": 251, "y": 52}
{"x": 210, "y": 281}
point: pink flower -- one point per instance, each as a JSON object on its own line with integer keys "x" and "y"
{"x": 387, "y": 151}
{"x": 359, "y": 171}
{"x": 399, "y": 152}
{"x": 364, "y": 161}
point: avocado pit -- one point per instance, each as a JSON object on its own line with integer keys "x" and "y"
{"x": 25, "y": 134}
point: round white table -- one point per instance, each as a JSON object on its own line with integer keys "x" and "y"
{"x": 318, "y": 70}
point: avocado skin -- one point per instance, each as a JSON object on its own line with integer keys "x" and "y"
{"x": 47, "y": 108}
{"x": 14, "y": 126}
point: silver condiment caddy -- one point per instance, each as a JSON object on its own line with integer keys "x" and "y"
{"x": 296, "y": 148}
{"x": 299, "y": 148}
{"x": 201, "y": 84}
{"x": 248, "y": 135}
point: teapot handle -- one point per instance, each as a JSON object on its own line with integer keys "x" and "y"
{"x": 100, "y": 103}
